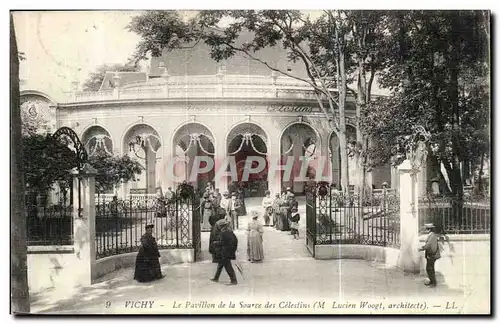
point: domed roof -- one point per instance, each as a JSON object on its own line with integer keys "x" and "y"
{"x": 197, "y": 61}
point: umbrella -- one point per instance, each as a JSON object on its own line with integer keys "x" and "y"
{"x": 239, "y": 267}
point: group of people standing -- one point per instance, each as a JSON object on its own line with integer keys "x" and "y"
{"x": 283, "y": 211}
{"x": 215, "y": 206}
{"x": 220, "y": 215}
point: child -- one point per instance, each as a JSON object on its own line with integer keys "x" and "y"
{"x": 295, "y": 225}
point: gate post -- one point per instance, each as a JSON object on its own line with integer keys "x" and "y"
{"x": 84, "y": 224}
{"x": 409, "y": 256}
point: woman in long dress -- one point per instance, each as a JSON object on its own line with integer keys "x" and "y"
{"x": 147, "y": 264}
{"x": 255, "y": 248}
{"x": 207, "y": 210}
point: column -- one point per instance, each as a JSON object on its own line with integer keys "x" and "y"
{"x": 84, "y": 225}
{"x": 409, "y": 256}
{"x": 150, "y": 170}
{"x": 220, "y": 147}
{"x": 274, "y": 160}
{"x": 297, "y": 152}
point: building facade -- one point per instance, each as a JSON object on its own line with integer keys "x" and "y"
{"x": 173, "y": 124}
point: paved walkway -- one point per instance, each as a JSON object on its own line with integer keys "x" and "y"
{"x": 288, "y": 278}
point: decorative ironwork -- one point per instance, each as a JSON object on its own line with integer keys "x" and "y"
{"x": 246, "y": 139}
{"x": 81, "y": 153}
{"x": 336, "y": 218}
{"x": 120, "y": 223}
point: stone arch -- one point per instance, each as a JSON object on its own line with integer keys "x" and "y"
{"x": 96, "y": 138}
{"x": 142, "y": 142}
{"x": 248, "y": 139}
{"x": 189, "y": 140}
{"x": 302, "y": 141}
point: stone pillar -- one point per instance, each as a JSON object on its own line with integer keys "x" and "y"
{"x": 274, "y": 160}
{"x": 409, "y": 256}
{"x": 297, "y": 152}
{"x": 394, "y": 178}
{"x": 84, "y": 225}
{"x": 150, "y": 169}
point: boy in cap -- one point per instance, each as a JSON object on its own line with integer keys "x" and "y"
{"x": 431, "y": 249}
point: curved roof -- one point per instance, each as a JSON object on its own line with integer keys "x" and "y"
{"x": 197, "y": 61}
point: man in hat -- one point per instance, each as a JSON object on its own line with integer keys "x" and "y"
{"x": 147, "y": 264}
{"x": 225, "y": 250}
{"x": 431, "y": 249}
{"x": 235, "y": 204}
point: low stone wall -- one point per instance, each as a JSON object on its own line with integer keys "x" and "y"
{"x": 50, "y": 267}
{"x": 386, "y": 255}
{"x": 112, "y": 263}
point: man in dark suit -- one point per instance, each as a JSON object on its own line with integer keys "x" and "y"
{"x": 431, "y": 249}
{"x": 225, "y": 251}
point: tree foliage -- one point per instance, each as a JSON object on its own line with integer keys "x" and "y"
{"x": 94, "y": 80}
{"x": 48, "y": 161}
{"x": 437, "y": 70}
{"x": 112, "y": 170}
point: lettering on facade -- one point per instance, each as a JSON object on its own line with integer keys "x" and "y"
{"x": 293, "y": 109}
{"x": 274, "y": 108}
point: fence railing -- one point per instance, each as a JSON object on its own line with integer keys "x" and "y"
{"x": 120, "y": 223}
{"x": 49, "y": 225}
{"x": 336, "y": 218}
{"x": 451, "y": 215}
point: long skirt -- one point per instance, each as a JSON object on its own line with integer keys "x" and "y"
{"x": 285, "y": 225}
{"x": 147, "y": 268}
{"x": 205, "y": 224}
{"x": 255, "y": 249}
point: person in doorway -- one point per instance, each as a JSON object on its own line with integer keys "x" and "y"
{"x": 267, "y": 204}
{"x": 276, "y": 211}
{"x": 240, "y": 195}
{"x": 432, "y": 254}
{"x": 255, "y": 249}
{"x": 225, "y": 203}
{"x": 234, "y": 206}
{"x": 207, "y": 211}
{"x": 225, "y": 250}
{"x": 293, "y": 208}
{"x": 147, "y": 264}
{"x": 294, "y": 225}
{"x": 169, "y": 201}
{"x": 284, "y": 209}
{"x": 217, "y": 198}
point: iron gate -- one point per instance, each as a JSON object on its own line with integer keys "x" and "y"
{"x": 120, "y": 223}
{"x": 336, "y": 218}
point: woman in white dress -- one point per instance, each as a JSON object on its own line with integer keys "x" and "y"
{"x": 255, "y": 248}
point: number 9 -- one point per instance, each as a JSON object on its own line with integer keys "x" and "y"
{"x": 108, "y": 304}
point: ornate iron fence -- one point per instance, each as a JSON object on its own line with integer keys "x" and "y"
{"x": 335, "y": 218}
{"x": 454, "y": 215}
{"x": 49, "y": 218}
{"x": 120, "y": 223}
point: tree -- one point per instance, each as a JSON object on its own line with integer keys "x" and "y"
{"x": 320, "y": 45}
{"x": 47, "y": 161}
{"x": 94, "y": 80}
{"x": 113, "y": 170}
{"x": 437, "y": 72}
{"x": 18, "y": 247}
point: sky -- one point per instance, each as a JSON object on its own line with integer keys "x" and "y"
{"x": 63, "y": 46}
